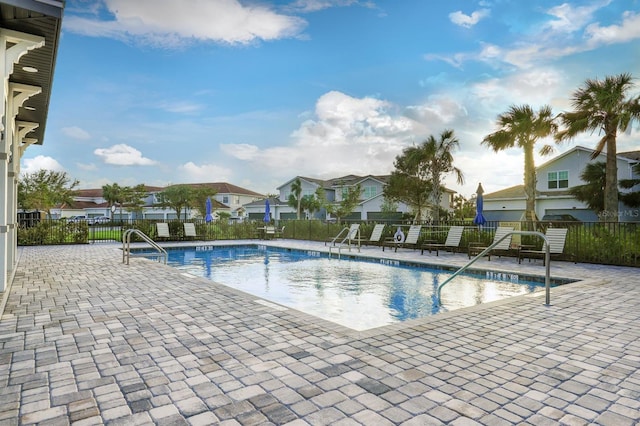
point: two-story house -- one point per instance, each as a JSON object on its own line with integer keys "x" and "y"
{"x": 229, "y": 198}
{"x": 553, "y": 181}
{"x": 369, "y": 207}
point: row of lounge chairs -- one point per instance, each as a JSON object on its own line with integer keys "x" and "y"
{"x": 162, "y": 230}
{"x": 555, "y": 236}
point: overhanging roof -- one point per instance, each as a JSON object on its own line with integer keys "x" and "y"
{"x": 42, "y": 18}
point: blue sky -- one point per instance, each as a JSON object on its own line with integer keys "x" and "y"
{"x": 256, "y": 92}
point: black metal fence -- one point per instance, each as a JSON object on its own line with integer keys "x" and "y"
{"x": 591, "y": 242}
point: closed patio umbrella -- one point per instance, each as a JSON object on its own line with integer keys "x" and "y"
{"x": 479, "y": 218}
{"x": 267, "y": 211}
{"x": 208, "y": 217}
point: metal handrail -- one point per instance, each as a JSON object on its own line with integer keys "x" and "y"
{"x": 348, "y": 239}
{"x": 126, "y": 244}
{"x": 547, "y": 258}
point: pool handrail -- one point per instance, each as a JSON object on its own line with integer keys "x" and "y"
{"x": 547, "y": 258}
{"x": 126, "y": 243}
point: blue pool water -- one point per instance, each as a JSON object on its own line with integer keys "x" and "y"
{"x": 357, "y": 294}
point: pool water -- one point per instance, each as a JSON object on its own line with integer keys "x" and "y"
{"x": 357, "y": 294}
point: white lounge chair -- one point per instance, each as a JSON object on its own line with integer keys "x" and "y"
{"x": 411, "y": 241}
{"x": 162, "y": 230}
{"x": 504, "y": 247}
{"x": 190, "y": 230}
{"x": 452, "y": 243}
{"x": 376, "y": 236}
{"x": 557, "y": 238}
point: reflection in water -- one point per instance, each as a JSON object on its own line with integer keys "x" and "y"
{"x": 359, "y": 295}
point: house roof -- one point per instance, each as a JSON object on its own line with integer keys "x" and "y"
{"x": 632, "y": 155}
{"x": 222, "y": 188}
{"x": 511, "y": 192}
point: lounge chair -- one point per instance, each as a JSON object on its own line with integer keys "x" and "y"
{"x": 504, "y": 247}
{"x": 452, "y": 242}
{"x": 190, "y": 230}
{"x": 410, "y": 242}
{"x": 376, "y": 236}
{"x": 556, "y": 236}
{"x": 162, "y": 230}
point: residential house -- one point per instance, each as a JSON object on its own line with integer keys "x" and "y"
{"x": 229, "y": 198}
{"x": 554, "y": 179}
{"x": 370, "y": 206}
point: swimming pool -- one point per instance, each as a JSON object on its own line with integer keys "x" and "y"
{"x": 357, "y": 293}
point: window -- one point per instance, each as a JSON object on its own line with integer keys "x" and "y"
{"x": 225, "y": 199}
{"x": 558, "y": 180}
{"x": 369, "y": 192}
{"x": 236, "y": 199}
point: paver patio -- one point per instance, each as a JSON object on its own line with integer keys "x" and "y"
{"x": 87, "y": 340}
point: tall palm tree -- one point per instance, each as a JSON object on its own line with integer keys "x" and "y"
{"x": 603, "y": 106}
{"x": 521, "y": 126}
{"x": 439, "y": 156}
{"x": 295, "y": 198}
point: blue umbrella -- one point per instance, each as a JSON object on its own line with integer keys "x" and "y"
{"x": 208, "y": 217}
{"x": 479, "y": 219}
{"x": 267, "y": 211}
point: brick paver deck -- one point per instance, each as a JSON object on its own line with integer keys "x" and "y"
{"x": 86, "y": 340}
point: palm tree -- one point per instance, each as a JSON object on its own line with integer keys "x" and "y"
{"x": 522, "y": 127}
{"x": 603, "y": 106}
{"x": 295, "y": 198}
{"x": 434, "y": 159}
{"x": 592, "y": 192}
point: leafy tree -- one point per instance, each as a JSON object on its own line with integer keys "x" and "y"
{"x": 389, "y": 208}
{"x": 522, "y": 127}
{"x": 177, "y": 197}
{"x": 200, "y": 195}
{"x": 405, "y": 185}
{"x": 592, "y": 192}
{"x": 631, "y": 199}
{"x": 295, "y": 198}
{"x": 606, "y": 107}
{"x": 350, "y": 199}
{"x": 45, "y": 189}
{"x": 125, "y": 196}
{"x": 462, "y": 208}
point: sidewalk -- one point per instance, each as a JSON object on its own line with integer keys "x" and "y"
{"x": 87, "y": 340}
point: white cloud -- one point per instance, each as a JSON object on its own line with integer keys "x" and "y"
{"x": 75, "y": 132}
{"x": 169, "y": 23}
{"x": 40, "y": 162}
{"x": 204, "y": 173}
{"x": 316, "y": 5}
{"x": 241, "y": 151}
{"x": 87, "y": 167}
{"x": 570, "y": 18}
{"x": 468, "y": 21}
{"x": 627, "y": 31}
{"x": 123, "y": 155}
{"x": 346, "y": 135}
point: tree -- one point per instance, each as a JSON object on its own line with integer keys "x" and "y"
{"x": 522, "y": 127}
{"x": 350, "y": 199}
{"x": 295, "y": 198}
{"x": 310, "y": 204}
{"x": 125, "y": 196}
{"x": 45, "y": 189}
{"x": 437, "y": 156}
{"x": 177, "y": 197}
{"x": 592, "y": 192}
{"x": 200, "y": 195}
{"x": 603, "y": 106}
{"x": 419, "y": 171}
{"x": 462, "y": 208}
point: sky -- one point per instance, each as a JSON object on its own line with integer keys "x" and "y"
{"x": 254, "y": 93}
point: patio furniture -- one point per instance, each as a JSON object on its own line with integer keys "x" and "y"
{"x": 452, "y": 243}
